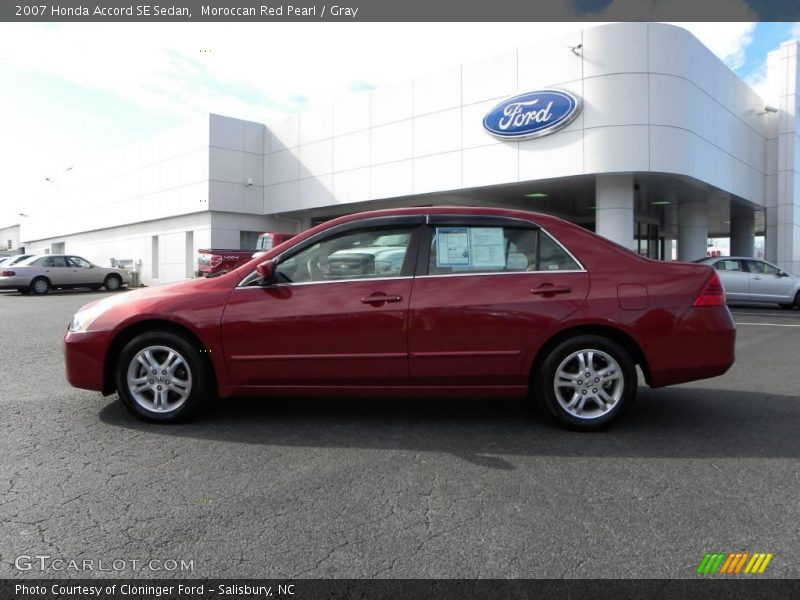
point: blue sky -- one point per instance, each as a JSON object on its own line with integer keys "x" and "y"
{"x": 766, "y": 37}
{"x": 72, "y": 91}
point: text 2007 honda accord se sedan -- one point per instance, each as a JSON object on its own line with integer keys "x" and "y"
{"x": 434, "y": 302}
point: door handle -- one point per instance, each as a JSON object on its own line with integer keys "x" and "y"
{"x": 757, "y": 278}
{"x": 380, "y": 299}
{"x": 547, "y": 290}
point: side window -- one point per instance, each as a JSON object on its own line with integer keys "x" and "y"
{"x": 756, "y": 266}
{"x": 495, "y": 250}
{"x": 77, "y": 261}
{"x": 55, "y": 261}
{"x": 729, "y": 265}
{"x": 362, "y": 254}
{"x": 552, "y": 257}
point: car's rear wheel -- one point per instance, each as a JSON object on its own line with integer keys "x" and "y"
{"x": 797, "y": 299}
{"x": 587, "y": 382}
{"x": 161, "y": 377}
{"x": 40, "y": 285}
{"x": 112, "y": 283}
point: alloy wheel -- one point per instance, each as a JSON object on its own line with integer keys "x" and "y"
{"x": 159, "y": 379}
{"x": 588, "y": 383}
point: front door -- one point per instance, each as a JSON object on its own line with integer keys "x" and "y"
{"x": 82, "y": 271}
{"x": 490, "y": 289}
{"x": 336, "y": 315}
{"x": 767, "y": 284}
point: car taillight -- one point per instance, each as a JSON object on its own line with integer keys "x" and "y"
{"x": 8, "y": 273}
{"x": 712, "y": 295}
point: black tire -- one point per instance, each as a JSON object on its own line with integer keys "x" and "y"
{"x": 40, "y": 285}
{"x": 112, "y": 282}
{"x": 198, "y": 374}
{"x": 598, "y": 414}
{"x": 797, "y": 300}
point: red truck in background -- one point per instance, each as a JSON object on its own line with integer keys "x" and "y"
{"x": 213, "y": 261}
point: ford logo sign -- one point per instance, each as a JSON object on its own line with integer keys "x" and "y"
{"x": 531, "y": 115}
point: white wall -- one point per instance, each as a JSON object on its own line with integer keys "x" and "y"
{"x": 236, "y": 165}
{"x": 9, "y": 233}
{"x": 134, "y": 242}
{"x": 163, "y": 176}
{"x": 655, "y": 99}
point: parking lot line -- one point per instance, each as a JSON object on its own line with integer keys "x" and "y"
{"x": 769, "y": 324}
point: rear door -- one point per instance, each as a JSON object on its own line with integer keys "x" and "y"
{"x": 767, "y": 284}
{"x": 486, "y": 288}
{"x": 58, "y": 270}
{"x": 735, "y": 278}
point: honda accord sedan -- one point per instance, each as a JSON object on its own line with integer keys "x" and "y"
{"x": 420, "y": 302}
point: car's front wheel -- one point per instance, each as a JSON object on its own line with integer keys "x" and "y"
{"x": 112, "y": 283}
{"x": 161, "y": 377}
{"x": 587, "y": 382}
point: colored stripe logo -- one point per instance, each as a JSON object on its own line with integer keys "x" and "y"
{"x": 733, "y": 563}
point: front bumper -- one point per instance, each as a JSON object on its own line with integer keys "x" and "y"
{"x": 84, "y": 358}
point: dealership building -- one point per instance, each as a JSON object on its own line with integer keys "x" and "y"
{"x": 659, "y": 148}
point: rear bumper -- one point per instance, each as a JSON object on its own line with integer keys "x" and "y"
{"x": 12, "y": 283}
{"x": 84, "y": 356}
{"x": 702, "y": 345}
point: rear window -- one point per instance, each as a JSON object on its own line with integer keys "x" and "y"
{"x": 456, "y": 249}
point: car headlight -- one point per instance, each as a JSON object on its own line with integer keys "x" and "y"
{"x": 84, "y": 317}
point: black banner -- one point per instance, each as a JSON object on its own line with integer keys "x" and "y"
{"x": 394, "y": 10}
{"x": 393, "y": 589}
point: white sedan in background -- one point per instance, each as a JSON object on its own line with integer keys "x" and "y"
{"x": 39, "y": 274}
{"x": 748, "y": 279}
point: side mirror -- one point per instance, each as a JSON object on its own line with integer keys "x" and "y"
{"x": 782, "y": 274}
{"x": 266, "y": 271}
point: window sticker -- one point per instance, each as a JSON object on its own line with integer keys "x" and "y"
{"x": 488, "y": 247}
{"x": 452, "y": 247}
{"x": 471, "y": 247}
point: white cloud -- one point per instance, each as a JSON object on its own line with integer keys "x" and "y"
{"x": 729, "y": 41}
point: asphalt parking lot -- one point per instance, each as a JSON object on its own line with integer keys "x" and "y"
{"x": 294, "y": 488}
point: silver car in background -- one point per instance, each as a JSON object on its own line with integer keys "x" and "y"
{"x": 39, "y": 274}
{"x": 748, "y": 279}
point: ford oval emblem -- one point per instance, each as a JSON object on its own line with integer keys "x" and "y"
{"x": 531, "y": 115}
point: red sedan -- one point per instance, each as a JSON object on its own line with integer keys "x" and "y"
{"x": 434, "y": 302}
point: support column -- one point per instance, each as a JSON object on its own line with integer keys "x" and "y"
{"x": 743, "y": 232}
{"x": 614, "y": 208}
{"x": 692, "y": 229}
{"x": 788, "y": 204}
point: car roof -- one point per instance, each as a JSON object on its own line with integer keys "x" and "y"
{"x": 707, "y": 258}
{"x": 540, "y": 218}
